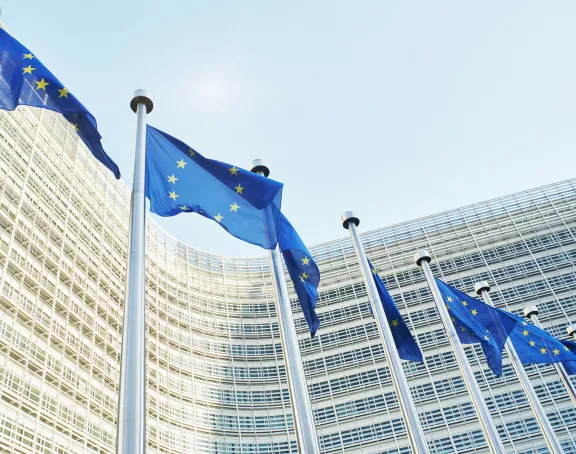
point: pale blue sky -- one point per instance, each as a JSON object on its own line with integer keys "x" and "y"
{"x": 391, "y": 108}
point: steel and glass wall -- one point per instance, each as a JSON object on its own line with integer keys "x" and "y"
{"x": 216, "y": 378}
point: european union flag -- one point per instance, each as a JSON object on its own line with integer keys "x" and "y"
{"x": 181, "y": 180}
{"x": 247, "y": 205}
{"x": 25, "y": 81}
{"x": 570, "y": 366}
{"x": 536, "y": 346}
{"x": 302, "y": 269}
{"x": 405, "y": 344}
{"x": 477, "y": 322}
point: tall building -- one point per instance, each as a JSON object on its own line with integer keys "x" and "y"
{"x": 216, "y": 378}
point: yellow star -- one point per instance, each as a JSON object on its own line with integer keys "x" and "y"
{"x": 462, "y": 329}
{"x": 525, "y": 332}
{"x": 181, "y": 163}
{"x": 234, "y": 207}
{"x": 28, "y": 69}
{"x": 28, "y": 56}
{"x": 63, "y": 93}
{"x": 449, "y": 299}
{"x": 192, "y": 152}
{"x": 524, "y": 323}
{"x": 75, "y": 126}
{"x": 464, "y": 303}
{"x": 172, "y": 179}
{"x": 233, "y": 171}
{"x": 532, "y": 343}
{"x": 304, "y": 275}
{"x": 219, "y": 217}
{"x": 301, "y": 279}
{"x": 173, "y": 195}
{"x": 184, "y": 208}
{"x": 395, "y": 323}
{"x": 474, "y": 312}
{"x": 305, "y": 261}
{"x": 453, "y": 319}
{"x": 373, "y": 271}
{"x": 41, "y": 85}
{"x": 239, "y": 189}
{"x": 486, "y": 338}
{"x": 556, "y": 351}
{"x": 542, "y": 350}
{"x": 566, "y": 348}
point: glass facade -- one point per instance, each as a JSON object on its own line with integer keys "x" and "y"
{"x": 216, "y": 378}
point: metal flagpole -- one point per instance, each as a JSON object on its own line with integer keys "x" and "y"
{"x": 415, "y": 432}
{"x": 483, "y": 289}
{"x": 495, "y": 445}
{"x": 531, "y": 312}
{"x": 131, "y": 430}
{"x": 571, "y": 331}
{"x": 301, "y": 408}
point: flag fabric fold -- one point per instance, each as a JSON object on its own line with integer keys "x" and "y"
{"x": 181, "y": 180}
{"x": 536, "y": 346}
{"x": 25, "y": 81}
{"x": 570, "y": 366}
{"x": 303, "y": 271}
{"x": 246, "y": 205}
{"x": 407, "y": 347}
{"x": 477, "y": 322}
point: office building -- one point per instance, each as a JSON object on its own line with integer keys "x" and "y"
{"x": 216, "y": 377}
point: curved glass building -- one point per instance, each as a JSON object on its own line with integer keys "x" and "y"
{"x": 216, "y": 377}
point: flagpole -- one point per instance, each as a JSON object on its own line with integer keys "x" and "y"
{"x": 131, "y": 427}
{"x": 422, "y": 258}
{"x": 531, "y": 313}
{"x": 407, "y": 407}
{"x": 299, "y": 397}
{"x": 483, "y": 289}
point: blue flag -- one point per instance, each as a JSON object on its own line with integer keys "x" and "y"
{"x": 570, "y": 366}
{"x": 181, "y": 180}
{"x": 303, "y": 271}
{"x": 246, "y": 205}
{"x": 405, "y": 344}
{"x": 24, "y": 81}
{"x": 477, "y": 322}
{"x": 536, "y": 346}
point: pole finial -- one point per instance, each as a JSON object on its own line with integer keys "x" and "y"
{"x": 259, "y": 166}
{"x": 481, "y": 286}
{"x": 529, "y": 311}
{"x": 422, "y": 255}
{"x": 142, "y": 96}
{"x": 348, "y": 217}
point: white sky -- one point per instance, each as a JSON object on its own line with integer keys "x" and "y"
{"x": 395, "y": 109}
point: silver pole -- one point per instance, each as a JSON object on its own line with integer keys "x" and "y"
{"x": 483, "y": 289}
{"x": 491, "y": 435}
{"x": 531, "y": 312}
{"x": 301, "y": 408}
{"x": 131, "y": 430}
{"x": 414, "y": 429}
